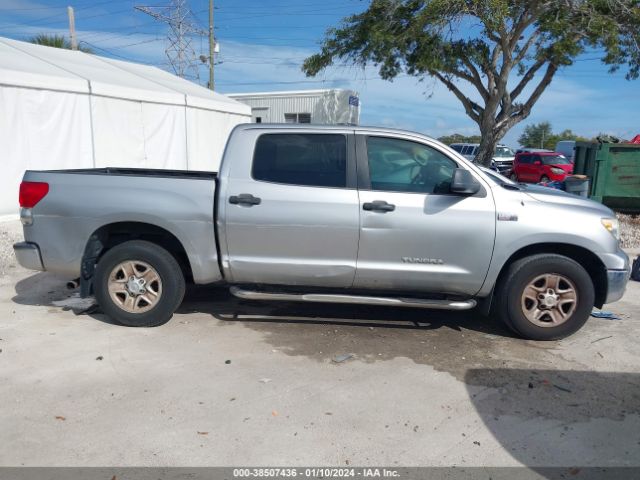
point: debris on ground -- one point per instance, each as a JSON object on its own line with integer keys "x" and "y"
{"x": 203, "y": 433}
{"x": 99, "y": 358}
{"x": 635, "y": 269}
{"x": 265, "y": 380}
{"x": 603, "y": 338}
{"x": 604, "y": 315}
{"x": 564, "y": 389}
{"x": 61, "y": 418}
{"x": 77, "y": 304}
{"x": 342, "y": 358}
{"x": 227, "y": 362}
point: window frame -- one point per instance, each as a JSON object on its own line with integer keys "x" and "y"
{"x": 351, "y": 180}
{"x": 364, "y": 177}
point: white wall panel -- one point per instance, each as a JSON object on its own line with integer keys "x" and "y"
{"x": 40, "y": 130}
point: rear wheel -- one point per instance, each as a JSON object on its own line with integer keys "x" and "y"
{"x": 513, "y": 177}
{"x": 544, "y": 179}
{"x": 139, "y": 284}
{"x": 545, "y": 297}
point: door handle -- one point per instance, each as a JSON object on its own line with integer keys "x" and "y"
{"x": 378, "y": 206}
{"x": 245, "y": 199}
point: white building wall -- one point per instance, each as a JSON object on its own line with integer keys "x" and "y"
{"x": 325, "y": 106}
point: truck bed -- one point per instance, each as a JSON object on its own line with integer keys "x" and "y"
{"x": 81, "y": 202}
{"x": 140, "y": 172}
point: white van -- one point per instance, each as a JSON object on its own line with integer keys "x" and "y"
{"x": 567, "y": 148}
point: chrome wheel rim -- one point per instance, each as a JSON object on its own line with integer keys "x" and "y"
{"x": 135, "y": 286}
{"x": 549, "y": 300}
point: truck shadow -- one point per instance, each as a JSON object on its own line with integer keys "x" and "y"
{"x": 560, "y": 417}
{"x": 447, "y": 341}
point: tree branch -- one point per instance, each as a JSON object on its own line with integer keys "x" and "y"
{"x": 476, "y": 81}
{"x": 471, "y": 108}
{"x": 527, "y": 78}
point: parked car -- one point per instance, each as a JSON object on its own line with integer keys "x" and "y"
{"x": 502, "y": 156}
{"x": 531, "y": 150}
{"x": 567, "y": 148}
{"x": 540, "y": 167}
{"x": 326, "y": 214}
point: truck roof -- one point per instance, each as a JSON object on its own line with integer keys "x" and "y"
{"x": 312, "y": 126}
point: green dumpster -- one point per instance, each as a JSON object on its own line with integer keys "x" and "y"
{"x": 614, "y": 173}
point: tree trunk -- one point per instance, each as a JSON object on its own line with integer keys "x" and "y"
{"x": 487, "y": 148}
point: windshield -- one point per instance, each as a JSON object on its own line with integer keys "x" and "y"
{"x": 555, "y": 160}
{"x": 503, "y": 152}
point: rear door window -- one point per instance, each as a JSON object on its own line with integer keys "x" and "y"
{"x": 308, "y": 159}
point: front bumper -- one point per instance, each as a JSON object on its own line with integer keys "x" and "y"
{"x": 616, "y": 284}
{"x": 504, "y": 166}
{"x": 28, "y": 255}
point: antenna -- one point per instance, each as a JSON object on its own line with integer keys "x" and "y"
{"x": 179, "y": 50}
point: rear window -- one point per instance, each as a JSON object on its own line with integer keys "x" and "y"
{"x": 308, "y": 159}
{"x": 555, "y": 160}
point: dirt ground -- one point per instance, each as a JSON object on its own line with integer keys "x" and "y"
{"x": 227, "y": 382}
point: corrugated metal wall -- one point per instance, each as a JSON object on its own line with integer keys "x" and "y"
{"x": 325, "y": 107}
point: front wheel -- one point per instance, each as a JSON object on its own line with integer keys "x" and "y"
{"x": 139, "y": 284}
{"x": 544, "y": 179}
{"x": 545, "y": 297}
{"x": 514, "y": 177}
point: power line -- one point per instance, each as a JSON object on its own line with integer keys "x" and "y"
{"x": 181, "y": 28}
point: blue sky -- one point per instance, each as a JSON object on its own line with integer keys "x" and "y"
{"x": 263, "y": 43}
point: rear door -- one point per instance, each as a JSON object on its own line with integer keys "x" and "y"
{"x": 291, "y": 210}
{"x": 415, "y": 235}
{"x": 524, "y": 167}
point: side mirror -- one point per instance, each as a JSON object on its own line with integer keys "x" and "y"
{"x": 464, "y": 183}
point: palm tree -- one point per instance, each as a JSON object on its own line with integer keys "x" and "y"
{"x": 56, "y": 41}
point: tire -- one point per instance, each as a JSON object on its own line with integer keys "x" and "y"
{"x": 513, "y": 177}
{"x": 516, "y": 308}
{"x": 544, "y": 179}
{"x": 143, "y": 261}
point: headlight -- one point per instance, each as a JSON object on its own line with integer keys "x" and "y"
{"x": 612, "y": 225}
{"x": 557, "y": 171}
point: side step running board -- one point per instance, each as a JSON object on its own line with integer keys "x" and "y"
{"x": 357, "y": 299}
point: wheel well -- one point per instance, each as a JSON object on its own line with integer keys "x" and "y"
{"x": 108, "y": 236}
{"x": 589, "y": 261}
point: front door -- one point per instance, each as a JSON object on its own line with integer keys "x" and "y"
{"x": 415, "y": 235}
{"x": 294, "y": 220}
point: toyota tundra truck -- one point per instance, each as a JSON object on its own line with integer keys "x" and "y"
{"x": 304, "y": 213}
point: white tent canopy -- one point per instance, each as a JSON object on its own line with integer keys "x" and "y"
{"x": 69, "y": 109}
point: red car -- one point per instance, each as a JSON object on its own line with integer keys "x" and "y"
{"x": 540, "y": 167}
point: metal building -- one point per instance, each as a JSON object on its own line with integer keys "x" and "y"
{"x": 330, "y": 106}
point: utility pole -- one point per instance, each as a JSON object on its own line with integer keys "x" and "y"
{"x": 211, "y": 46}
{"x": 72, "y": 28}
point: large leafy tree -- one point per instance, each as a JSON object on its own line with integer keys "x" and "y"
{"x": 459, "y": 138}
{"x": 540, "y": 135}
{"x": 496, "y": 56}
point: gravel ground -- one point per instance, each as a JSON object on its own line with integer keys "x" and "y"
{"x": 10, "y": 233}
{"x": 630, "y": 230}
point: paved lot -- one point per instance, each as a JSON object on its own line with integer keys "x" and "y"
{"x": 233, "y": 383}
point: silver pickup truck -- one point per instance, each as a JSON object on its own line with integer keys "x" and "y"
{"x": 327, "y": 214}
